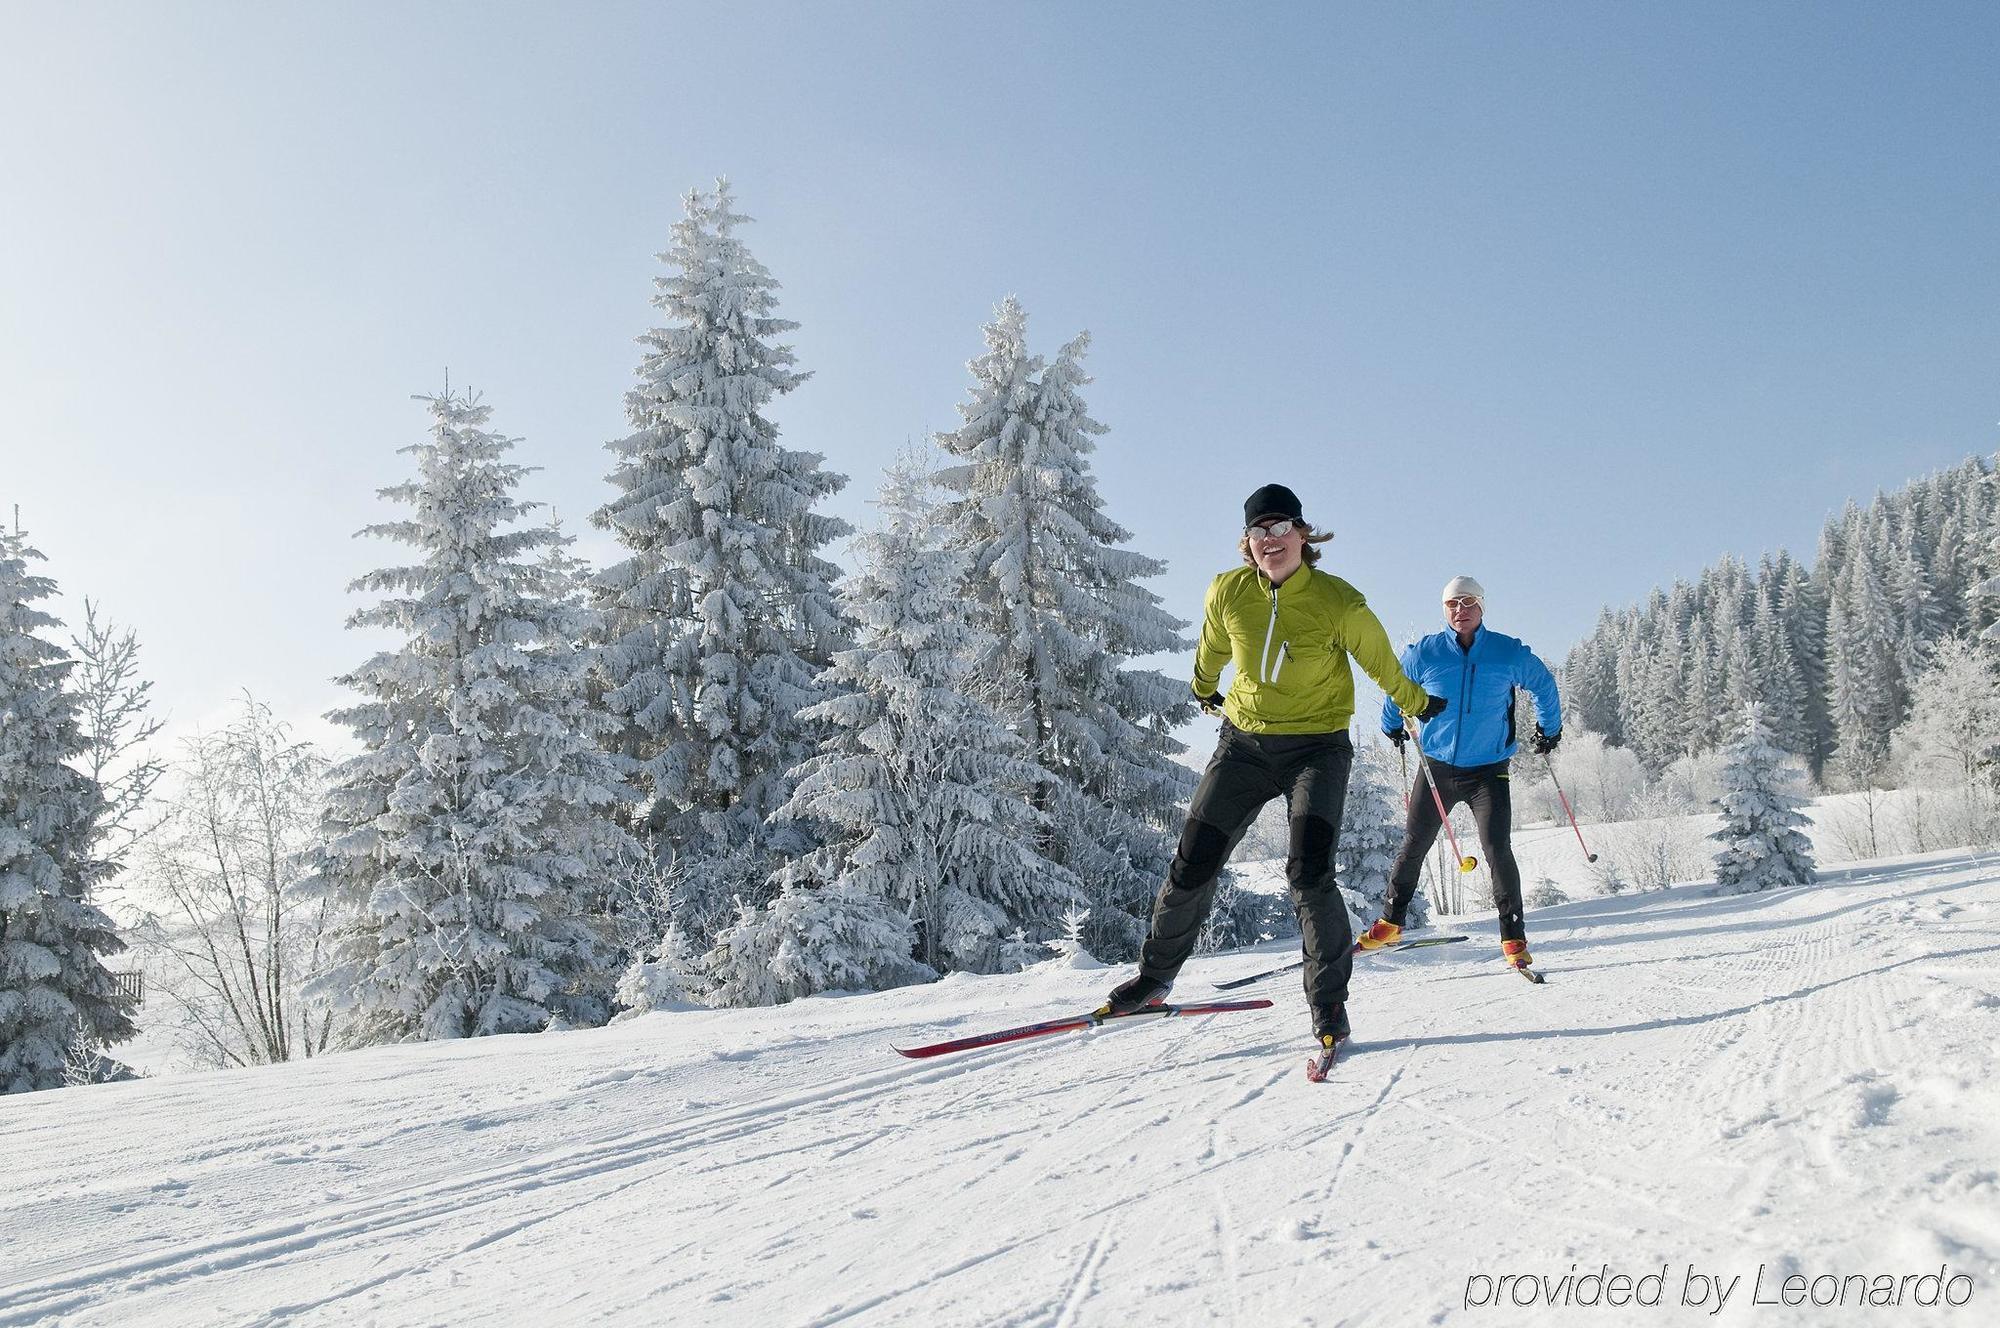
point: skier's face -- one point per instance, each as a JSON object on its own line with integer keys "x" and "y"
{"x": 1277, "y": 556}
{"x": 1464, "y": 613}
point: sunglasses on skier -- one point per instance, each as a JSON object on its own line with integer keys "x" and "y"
{"x": 1271, "y": 529}
{"x": 1463, "y": 602}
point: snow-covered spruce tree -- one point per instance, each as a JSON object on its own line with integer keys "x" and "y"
{"x": 1865, "y": 684}
{"x": 1779, "y": 681}
{"x": 919, "y": 795}
{"x": 1763, "y": 790}
{"x": 1988, "y": 590}
{"x": 469, "y": 840}
{"x": 1064, "y": 611}
{"x": 58, "y": 1004}
{"x": 1371, "y": 834}
{"x": 723, "y": 614}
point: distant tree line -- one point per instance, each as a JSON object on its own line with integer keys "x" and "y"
{"x": 1833, "y": 653}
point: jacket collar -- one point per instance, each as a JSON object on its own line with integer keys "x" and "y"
{"x": 1290, "y": 585}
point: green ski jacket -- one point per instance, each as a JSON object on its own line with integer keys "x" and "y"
{"x": 1290, "y": 645}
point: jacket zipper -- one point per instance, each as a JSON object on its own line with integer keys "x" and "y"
{"x": 1279, "y": 667}
{"x": 1264, "y": 660}
{"x": 1465, "y": 677}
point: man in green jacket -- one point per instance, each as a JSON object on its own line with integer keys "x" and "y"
{"x": 1290, "y": 630}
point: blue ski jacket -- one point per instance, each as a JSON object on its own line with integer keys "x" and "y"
{"x": 1477, "y": 727}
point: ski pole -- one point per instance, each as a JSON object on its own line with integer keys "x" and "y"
{"x": 1465, "y": 864}
{"x": 1588, "y": 855}
{"x": 1403, "y": 759}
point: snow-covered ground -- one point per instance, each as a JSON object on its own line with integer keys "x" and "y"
{"x": 1803, "y": 1083}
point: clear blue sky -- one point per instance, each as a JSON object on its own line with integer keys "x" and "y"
{"x": 1573, "y": 297}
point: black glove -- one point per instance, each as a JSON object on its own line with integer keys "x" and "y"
{"x": 1399, "y": 736}
{"x": 1433, "y": 707}
{"x": 1544, "y": 743}
{"x": 1211, "y": 704}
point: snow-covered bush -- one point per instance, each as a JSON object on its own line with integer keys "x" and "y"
{"x": 1692, "y": 782}
{"x": 1602, "y": 781}
{"x": 1660, "y": 845}
{"x": 814, "y": 939}
{"x": 1545, "y": 893}
{"x": 1951, "y": 742}
{"x": 664, "y": 978}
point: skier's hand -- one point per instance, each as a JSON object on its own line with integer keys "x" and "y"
{"x": 1399, "y": 736}
{"x": 1544, "y": 743}
{"x": 1433, "y": 707}
{"x": 1211, "y": 704}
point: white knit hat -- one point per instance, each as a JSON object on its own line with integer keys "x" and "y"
{"x": 1464, "y": 585}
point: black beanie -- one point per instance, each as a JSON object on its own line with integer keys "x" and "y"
{"x": 1272, "y": 500}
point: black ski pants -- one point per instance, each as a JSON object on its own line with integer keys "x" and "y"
{"x": 1309, "y": 770}
{"x": 1486, "y": 790}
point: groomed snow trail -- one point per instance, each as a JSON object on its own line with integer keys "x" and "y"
{"x": 1804, "y": 1080}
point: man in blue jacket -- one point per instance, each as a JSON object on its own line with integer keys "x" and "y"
{"x": 1468, "y": 747}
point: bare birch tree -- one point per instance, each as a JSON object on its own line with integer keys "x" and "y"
{"x": 233, "y": 945}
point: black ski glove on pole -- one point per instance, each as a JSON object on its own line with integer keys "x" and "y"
{"x": 1397, "y": 736}
{"x": 1433, "y": 707}
{"x": 1544, "y": 743}
{"x": 1211, "y": 704}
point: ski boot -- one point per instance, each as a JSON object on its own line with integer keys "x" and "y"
{"x": 1331, "y": 1029}
{"x": 1135, "y": 994}
{"x": 1517, "y": 956}
{"x": 1384, "y": 932}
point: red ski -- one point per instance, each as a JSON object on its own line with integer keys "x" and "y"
{"x": 1074, "y": 1024}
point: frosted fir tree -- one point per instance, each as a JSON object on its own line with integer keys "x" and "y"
{"x": 470, "y": 839}
{"x": 1064, "y": 611}
{"x": 1865, "y": 684}
{"x": 58, "y": 1003}
{"x": 920, "y": 796}
{"x": 723, "y": 614}
{"x": 1778, "y": 680}
{"x": 1989, "y": 589}
{"x": 1763, "y": 847}
{"x": 1371, "y": 834}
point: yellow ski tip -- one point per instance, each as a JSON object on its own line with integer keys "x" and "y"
{"x": 1469, "y": 863}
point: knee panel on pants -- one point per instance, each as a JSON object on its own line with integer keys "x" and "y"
{"x": 1203, "y": 847}
{"x": 1309, "y": 864}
